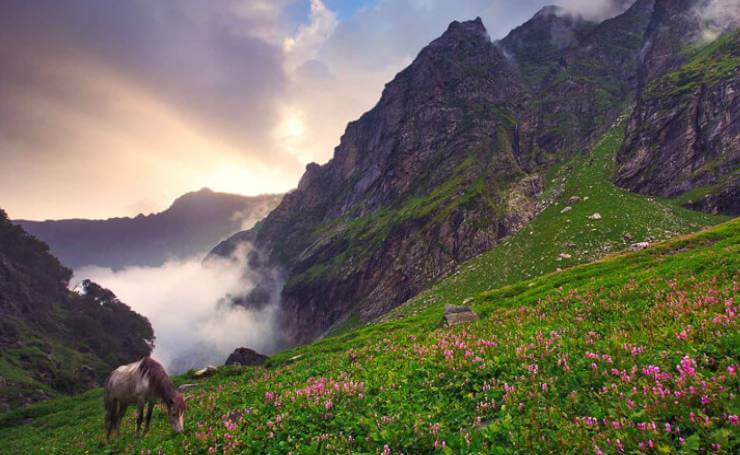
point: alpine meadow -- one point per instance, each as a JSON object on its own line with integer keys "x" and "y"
{"x": 527, "y": 243}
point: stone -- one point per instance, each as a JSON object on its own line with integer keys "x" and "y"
{"x": 595, "y": 216}
{"x": 574, "y": 200}
{"x": 566, "y": 209}
{"x": 565, "y": 256}
{"x": 186, "y": 387}
{"x": 295, "y": 357}
{"x": 246, "y": 357}
{"x": 639, "y": 246}
{"x": 628, "y": 237}
{"x": 205, "y": 372}
{"x": 458, "y": 314}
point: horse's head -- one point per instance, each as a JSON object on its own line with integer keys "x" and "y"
{"x": 176, "y": 412}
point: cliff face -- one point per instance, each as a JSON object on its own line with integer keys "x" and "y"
{"x": 429, "y": 177}
{"x": 583, "y": 75}
{"x": 191, "y": 225}
{"x": 447, "y": 163}
{"x": 683, "y": 139}
{"x": 53, "y": 340}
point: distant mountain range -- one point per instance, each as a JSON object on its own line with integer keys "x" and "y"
{"x": 191, "y": 225}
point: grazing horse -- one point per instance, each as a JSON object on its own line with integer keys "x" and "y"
{"x": 144, "y": 383}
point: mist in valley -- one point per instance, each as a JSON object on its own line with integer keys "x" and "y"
{"x": 188, "y": 303}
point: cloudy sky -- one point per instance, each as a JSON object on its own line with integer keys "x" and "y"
{"x": 116, "y": 107}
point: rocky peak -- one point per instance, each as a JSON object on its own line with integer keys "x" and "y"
{"x": 548, "y": 12}
{"x": 537, "y": 45}
{"x": 462, "y": 32}
{"x": 551, "y": 26}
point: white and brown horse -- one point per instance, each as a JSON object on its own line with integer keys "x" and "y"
{"x": 142, "y": 383}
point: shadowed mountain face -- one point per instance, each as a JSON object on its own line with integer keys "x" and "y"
{"x": 683, "y": 139}
{"x": 191, "y": 225}
{"x": 452, "y": 159}
{"x": 53, "y": 340}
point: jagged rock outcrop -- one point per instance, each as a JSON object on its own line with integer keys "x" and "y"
{"x": 447, "y": 163}
{"x": 53, "y": 340}
{"x": 683, "y": 138}
{"x": 191, "y": 225}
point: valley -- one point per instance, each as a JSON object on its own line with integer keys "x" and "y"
{"x": 529, "y": 244}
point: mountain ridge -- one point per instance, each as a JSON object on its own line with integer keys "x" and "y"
{"x": 449, "y": 161}
{"x": 191, "y": 224}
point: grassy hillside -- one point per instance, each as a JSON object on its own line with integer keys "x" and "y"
{"x": 626, "y": 218}
{"x": 53, "y": 341}
{"x": 636, "y": 351}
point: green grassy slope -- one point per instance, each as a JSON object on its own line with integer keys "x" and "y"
{"x": 564, "y": 362}
{"x": 586, "y": 360}
{"x": 536, "y": 249}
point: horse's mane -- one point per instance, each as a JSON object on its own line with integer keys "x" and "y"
{"x": 161, "y": 382}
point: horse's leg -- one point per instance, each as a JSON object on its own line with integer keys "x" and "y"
{"x": 139, "y": 417}
{"x": 149, "y": 409}
{"x": 108, "y": 420}
{"x": 120, "y": 411}
{"x": 111, "y": 414}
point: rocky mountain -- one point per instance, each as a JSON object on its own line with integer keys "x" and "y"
{"x": 448, "y": 162}
{"x": 53, "y": 340}
{"x": 191, "y": 225}
{"x": 683, "y": 138}
{"x": 454, "y": 156}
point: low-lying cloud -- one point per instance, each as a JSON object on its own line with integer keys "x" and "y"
{"x": 717, "y": 16}
{"x": 188, "y": 305}
{"x": 596, "y": 10}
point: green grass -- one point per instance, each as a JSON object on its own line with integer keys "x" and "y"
{"x": 522, "y": 379}
{"x": 405, "y": 391}
{"x": 536, "y": 248}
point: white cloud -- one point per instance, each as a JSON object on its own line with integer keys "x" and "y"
{"x": 718, "y": 16}
{"x": 310, "y": 37}
{"x": 596, "y": 10}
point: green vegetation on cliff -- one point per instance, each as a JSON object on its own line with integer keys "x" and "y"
{"x": 583, "y": 184}
{"x": 708, "y": 64}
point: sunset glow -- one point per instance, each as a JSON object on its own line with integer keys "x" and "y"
{"x": 121, "y": 107}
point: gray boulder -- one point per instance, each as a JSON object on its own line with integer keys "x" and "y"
{"x": 457, "y": 314}
{"x": 246, "y": 356}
